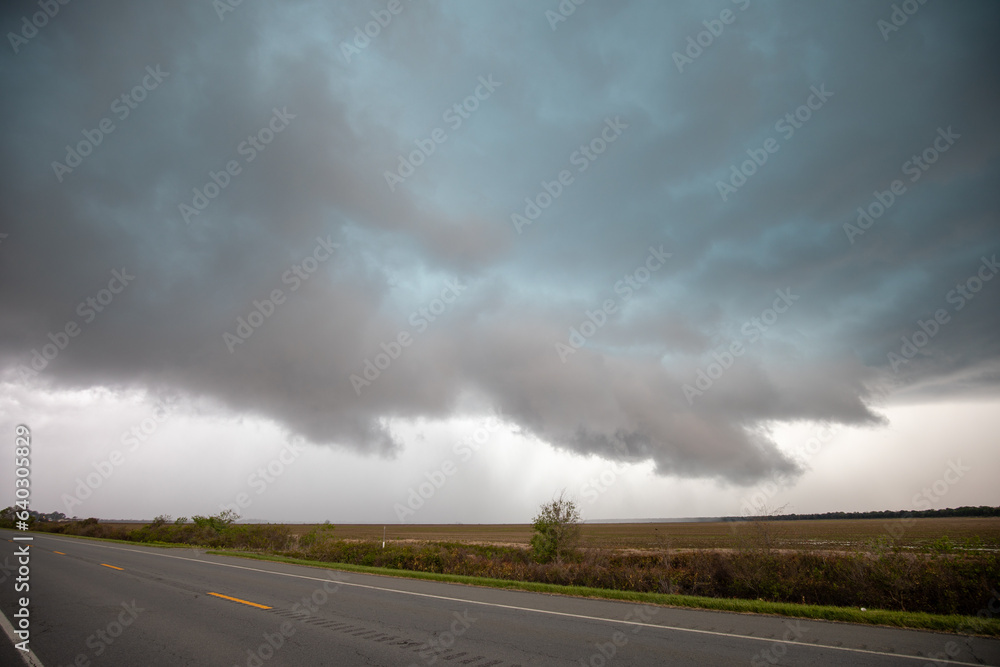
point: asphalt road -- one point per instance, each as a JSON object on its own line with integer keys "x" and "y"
{"x": 109, "y": 604}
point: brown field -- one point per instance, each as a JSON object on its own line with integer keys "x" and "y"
{"x": 934, "y": 565}
{"x": 825, "y": 535}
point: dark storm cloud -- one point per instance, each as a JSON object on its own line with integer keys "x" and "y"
{"x": 336, "y": 118}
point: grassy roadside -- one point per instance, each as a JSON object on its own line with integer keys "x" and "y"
{"x": 958, "y": 624}
{"x": 964, "y": 625}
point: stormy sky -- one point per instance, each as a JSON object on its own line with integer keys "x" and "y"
{"x": 435, "y": 261}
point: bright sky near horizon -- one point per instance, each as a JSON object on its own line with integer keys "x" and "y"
{"x": 435, "y": 262}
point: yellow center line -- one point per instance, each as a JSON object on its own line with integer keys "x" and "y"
{"x": 111, "y": 566}
{"x": 252, "y": 604}
{"x": 58, "y": 552}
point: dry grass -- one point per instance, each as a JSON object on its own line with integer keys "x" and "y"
{"x": 939, "y": 566}
{"x": 827, "y": 535}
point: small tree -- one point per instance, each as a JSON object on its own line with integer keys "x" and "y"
{"x": 557, "y": 530}
{"x": 756, "y": 541}
{"x": 760, "y": 533}
{"x": 219, "y": 522}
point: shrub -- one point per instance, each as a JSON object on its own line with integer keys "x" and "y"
{"x": 557, "y": 530}
{"x": 881, "y": 576}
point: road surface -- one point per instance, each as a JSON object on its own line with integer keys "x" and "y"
{"x": 94, "y": 603}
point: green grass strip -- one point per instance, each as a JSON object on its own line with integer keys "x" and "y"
{"x": 953, "y": 623}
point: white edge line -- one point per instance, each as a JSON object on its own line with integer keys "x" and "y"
{"x": 28, "y": 656}
{"x": 903, "y": 656}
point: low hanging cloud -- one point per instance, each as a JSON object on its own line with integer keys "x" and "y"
{"x": 623, "y": 257}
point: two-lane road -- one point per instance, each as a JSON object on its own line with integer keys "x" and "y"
{"x": 96, "y": 603}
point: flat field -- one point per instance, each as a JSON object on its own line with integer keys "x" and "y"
{"x": 934, "y": 565}
{"x": 824, "y": 535}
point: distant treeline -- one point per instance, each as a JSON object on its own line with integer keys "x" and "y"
{"x": 982, "y": 510}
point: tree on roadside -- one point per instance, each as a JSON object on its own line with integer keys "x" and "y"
{"x": 219, "y": 522}
{"x": 760, "y": 533}
{"x": 757, "y": 540}
{"x": 557, "y": 530}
